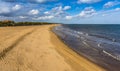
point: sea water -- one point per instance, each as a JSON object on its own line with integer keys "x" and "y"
{"x": 98, "y": 43}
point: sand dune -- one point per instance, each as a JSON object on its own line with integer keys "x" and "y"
{"x": 36, "y": 48}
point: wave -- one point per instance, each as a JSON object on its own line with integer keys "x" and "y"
{"x": 96, "y": 42}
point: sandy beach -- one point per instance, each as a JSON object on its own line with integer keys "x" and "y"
{"x": 37, "y": 48}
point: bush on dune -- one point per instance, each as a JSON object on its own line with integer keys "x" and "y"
{"x": 12, "y": 23}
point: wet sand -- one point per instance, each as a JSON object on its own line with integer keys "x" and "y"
{"x": 36, "y": 48}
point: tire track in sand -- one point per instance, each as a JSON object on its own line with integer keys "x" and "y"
{"x": 6, "y": 50}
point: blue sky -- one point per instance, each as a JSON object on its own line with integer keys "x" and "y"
{"x": 62, "y": 11}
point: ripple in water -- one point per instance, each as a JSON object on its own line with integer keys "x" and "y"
{"x": 98, "y": 43}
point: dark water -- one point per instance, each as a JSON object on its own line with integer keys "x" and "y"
{"x": 98, "y": 43}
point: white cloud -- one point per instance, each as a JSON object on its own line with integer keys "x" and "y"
{"x": 16, "y": 7}
{"x": 44, "y": 18}
{"x": 66, "y": 7}
{"x": 56, "y": 11}
{"x": 87, "y": 12}
{"x": 104, "y": 15}
{"x": 22, "y": 17}
{"x": 46, "y": 13}
{"x": 117, "y": 9}
{"x": 59, "y": 8}
{"x": 69, "y": 17}
{"x": 34, "y": 12}
{"x": 4, "y": 8}
{"x": 30, "y": 1}
{"x": 88, "y": 1}
{"x": 111, "y": 4}
{"x": 40, "y": 1}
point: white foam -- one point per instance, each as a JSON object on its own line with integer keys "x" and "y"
{"x": 115, "y": 57}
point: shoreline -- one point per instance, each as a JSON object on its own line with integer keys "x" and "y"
{"x": 75, "y": 60}
{"x": 88, "y": 45}
{"x": 40, "y": 50}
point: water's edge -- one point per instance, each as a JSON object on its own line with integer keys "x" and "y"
{"x": 96, "y": 55}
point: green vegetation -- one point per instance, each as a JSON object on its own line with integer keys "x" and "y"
{"x": 12, "y": 23}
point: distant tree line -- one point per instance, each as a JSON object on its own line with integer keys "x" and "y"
{"x": 12, "y": 23}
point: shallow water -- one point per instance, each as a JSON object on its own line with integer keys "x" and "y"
{"x": 98, "y": 43}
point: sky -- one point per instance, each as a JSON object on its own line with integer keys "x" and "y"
{"x": 62, "y": 11}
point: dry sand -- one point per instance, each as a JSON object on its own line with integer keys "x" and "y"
{"x": 36, "y": 48}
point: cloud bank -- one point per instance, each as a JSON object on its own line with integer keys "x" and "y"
{"x": 79, "y": 11}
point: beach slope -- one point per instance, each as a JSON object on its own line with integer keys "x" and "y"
{"x": 37, "y": 48}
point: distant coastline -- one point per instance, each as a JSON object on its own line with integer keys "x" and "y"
{"x": 6, "y": 23}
